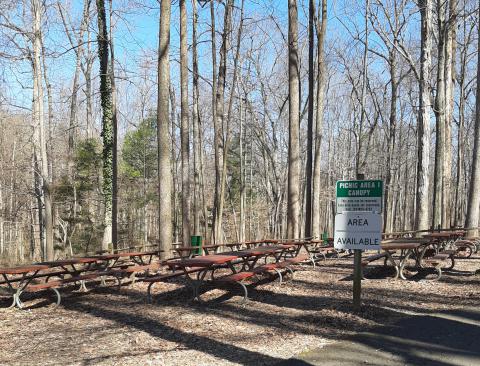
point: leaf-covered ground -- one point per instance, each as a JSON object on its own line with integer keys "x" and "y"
{"x": 110, "y": 327}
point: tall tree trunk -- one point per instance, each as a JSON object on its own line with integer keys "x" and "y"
{"x": 115, "y": 138}
{"x": 196, "y": 129}
{"x": 438, "y": 189}
{"x": 164, "y": 155}
{"x": 390, "y": 140}
{"x": 321, "y": 27}
{"x": 39, "y": 128}
{"x": 359, "y": 162}
{"x": 218, "y": 124}
{"x": 241, "y": 238}
{"x": 184, "y": 135}
{"x": 473, "y": 209}
{"x": 422, "y": 203}
{"x": 293, "y": 198}
{"x": 311, "y": 87}
{"x": 450, "y": 50}
{"x": 107, "y": 122}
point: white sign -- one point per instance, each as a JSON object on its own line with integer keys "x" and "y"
{"x": 358, "y": 230}
{"x": 372, "y": 204}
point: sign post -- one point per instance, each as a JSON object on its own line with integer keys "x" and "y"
{"x": 358, "y": 223}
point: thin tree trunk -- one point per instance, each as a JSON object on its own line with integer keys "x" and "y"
{"x": 311, "y": 87}
{"x": 423, "y": 130}
{"x": 164, "y": 157}
{"x": 242, "y": 176}
{"x": 107, "y": 122}
{"x": 450, "y": 50}
{"x": 115, "y": 139}
{"x": 438, "y": 190}
{"x": 184, "y": 134}
{"x": 293, "y": 205}
{"x": 218, "y": 124}
{"x": 321, "y": 27}
{"x": 196, "y": 130}
{"x": 359, "y": 162}
{"x": 473, "y": 209}
{"x": 39, "y": 126}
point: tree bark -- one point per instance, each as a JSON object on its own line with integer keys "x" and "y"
{"x": 473, "y": 209}
{"x": 311, "y": 86}
{"x": 422, "y": 203}
{"x": 321, "y": 27}
{"x": 164, "y": 155}
{"x": 438, "y": 189}
{"x": 184, "y": 134}
{"x": 39, "y": 128}
{"x": 196, "y": 127}
{"x": 218, "y": 124}
{"x": 107, "y": 122}
{"x": 115, "y": 139}
{"x": 293, "y": 198}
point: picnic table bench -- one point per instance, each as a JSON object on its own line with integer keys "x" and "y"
{"x": 246, "y": 259}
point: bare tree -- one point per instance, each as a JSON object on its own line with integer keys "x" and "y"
{"x": 473, "y": 210}
{"x": 293, "y": 197}
{"x": 321, "y": 28}
{"x": 423, "y": 128}
{"x": 107, "y": 122}
{"x": 40, "y": 142}
{"x": 163, "y": 138}
{"x": 219, "y": 124}
{"x": 185, "y": 144}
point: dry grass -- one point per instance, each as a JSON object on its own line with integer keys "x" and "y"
{"x": 108, "y": 327}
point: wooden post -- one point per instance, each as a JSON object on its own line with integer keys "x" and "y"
{"x": 357, "y": 278}
{"x": 357, "y": 270}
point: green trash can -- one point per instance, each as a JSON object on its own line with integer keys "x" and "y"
{"x": 325, "y": 237}
{"x": 196, "y": 241}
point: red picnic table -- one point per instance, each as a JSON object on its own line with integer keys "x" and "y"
{"x": 210, "y": 263}
{"x": 408, "y": 248}
{"x": 18, "y": 278}
{"x": 136, "y": 257}
{"x": 190, "y": 250}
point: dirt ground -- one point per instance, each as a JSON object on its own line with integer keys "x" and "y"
{"x": 110, "y": 327}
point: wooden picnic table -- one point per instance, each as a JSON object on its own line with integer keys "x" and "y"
{"x": 16, "y": 285}
{"x": 407, "y": 249}
{"x": 204, "y": 248}
{"x": 136, "y": 257}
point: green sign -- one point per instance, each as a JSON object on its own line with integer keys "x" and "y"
{"x": 359, "y": 188}
{"x": 359, "y": 195}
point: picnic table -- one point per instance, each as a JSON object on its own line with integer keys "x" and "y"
{"x": 408, "y": 248}
{"x": 72, "y": 270}
{"x": 246, "y": 259}
{"x": 18, "y": 278}
{"x": 190, "y": 250}
{"x": 136, "y": 257}
{"x": 313, "y": 248}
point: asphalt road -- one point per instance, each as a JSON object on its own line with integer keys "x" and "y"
{"x": 440, "y": 339}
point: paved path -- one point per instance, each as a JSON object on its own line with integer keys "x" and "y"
{"x": 440, "y": 339}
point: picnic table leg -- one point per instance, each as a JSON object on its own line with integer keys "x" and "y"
{"x": 310, "y": 255}
{"x": 403, "y": 262}
{"x": 395, "y": 265}
{"x": 11, "y": 289}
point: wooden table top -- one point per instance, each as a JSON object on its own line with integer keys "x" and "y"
{"x": 210, "y": 246}
{"x": 205, "y": 261}
{"x": 123, "y": 255}
{"x": 68, "y": 261}
{"x": 400, "y": 245}
{"x": 23, "y": 269}
{"x": 407, "y": 240}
